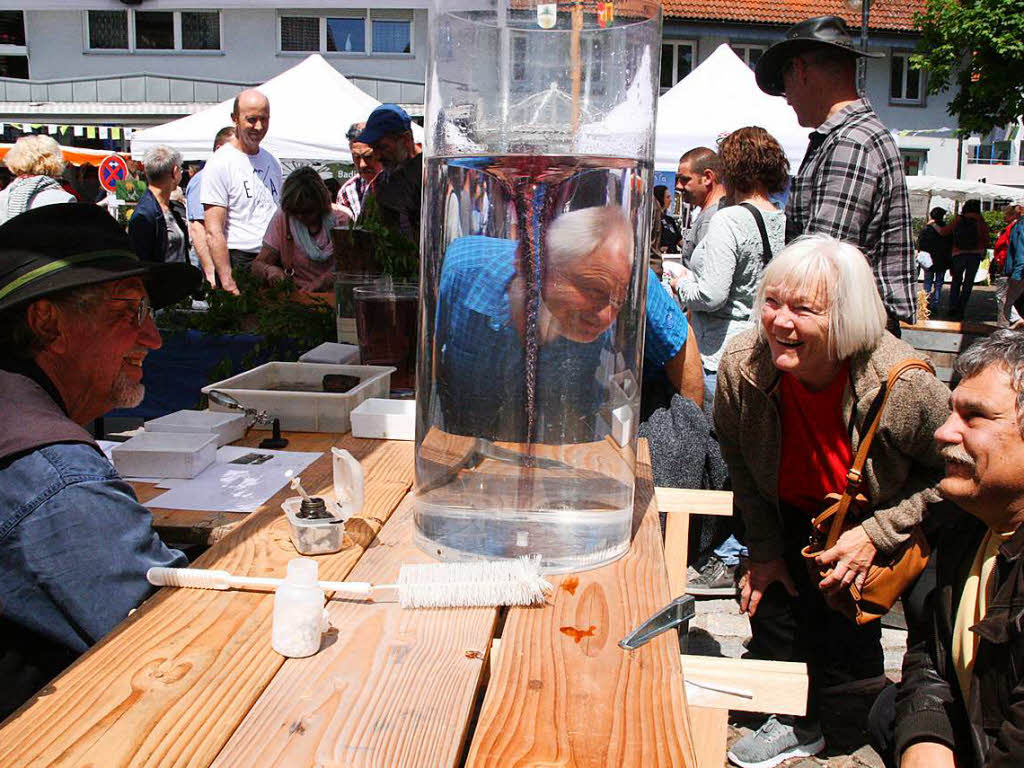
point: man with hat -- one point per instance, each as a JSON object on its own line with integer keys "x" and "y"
{"x": 76, "y": 324}
{"x": 396, "y": 190}
{"x": 850, "y": 184}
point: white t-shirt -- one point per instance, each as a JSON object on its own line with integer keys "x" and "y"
{"x": 249, "y": 187}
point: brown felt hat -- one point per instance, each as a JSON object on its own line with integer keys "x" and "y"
{"x": 819, "y": 32}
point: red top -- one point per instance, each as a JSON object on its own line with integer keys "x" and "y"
{"x": 815, "y": 453}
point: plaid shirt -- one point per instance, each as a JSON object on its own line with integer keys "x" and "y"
{"x": 851, "y": 186}
{"x": 350, "y": 196}
{"x": 481, "y": 358}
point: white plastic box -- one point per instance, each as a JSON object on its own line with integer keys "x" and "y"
{"x": 165, "y": 454}
{"x": 332, "y": 354}
{"x": 385, "y": 419}
{"x": 227, "y": 427}
{"x": 300, "y": 411}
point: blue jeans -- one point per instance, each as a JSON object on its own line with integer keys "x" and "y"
{"x": 730, "y": 551}
{"x": 965, "y": 267}
{"x": 933, "y": 280}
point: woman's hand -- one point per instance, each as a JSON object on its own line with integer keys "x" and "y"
{"x": 274, "y": 274}
{"x": 850, "y": 559}
{"x": 757, "y": 578}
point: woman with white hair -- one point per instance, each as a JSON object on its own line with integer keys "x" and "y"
{"x": 36, "y": 162}
{"x": 790, "y": 411}
{"x": 158, "y": 229}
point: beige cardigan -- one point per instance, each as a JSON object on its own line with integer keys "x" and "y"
{"x": 903, "y": 466}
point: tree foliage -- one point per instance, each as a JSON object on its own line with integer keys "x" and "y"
{"x": 977, "y": 48}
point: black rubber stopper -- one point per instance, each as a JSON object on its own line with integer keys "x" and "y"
{"x": 275, "y": 442}
{"x": 313, "y": 509}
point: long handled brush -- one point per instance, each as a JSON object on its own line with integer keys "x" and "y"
{"x": 433, "y": 585}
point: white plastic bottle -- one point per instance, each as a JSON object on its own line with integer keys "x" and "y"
{"x": 299, "y": 615}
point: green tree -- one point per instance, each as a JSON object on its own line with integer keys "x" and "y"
{"x": 976, "y": 46}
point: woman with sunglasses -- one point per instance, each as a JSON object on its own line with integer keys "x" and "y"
{"x": 298, "y": 241}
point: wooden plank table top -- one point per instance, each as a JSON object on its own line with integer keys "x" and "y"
{"x": 190, "y": 678}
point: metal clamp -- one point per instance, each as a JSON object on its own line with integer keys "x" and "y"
{"x": 675, "y": 615}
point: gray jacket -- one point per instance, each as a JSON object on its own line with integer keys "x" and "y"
{"x": 902, "y": 469}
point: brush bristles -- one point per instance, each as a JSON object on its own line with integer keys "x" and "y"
{"x": 488, "y": 583}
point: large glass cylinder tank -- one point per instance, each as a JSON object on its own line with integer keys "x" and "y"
{"x": 536, "y": 225}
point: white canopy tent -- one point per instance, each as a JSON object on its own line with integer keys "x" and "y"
{"x": 716, "y": 98}
{"x": 311, "y": 107}
{"x": 961, "y": 189}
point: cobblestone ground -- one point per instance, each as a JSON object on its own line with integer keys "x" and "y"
{"x": 720, "y": 630}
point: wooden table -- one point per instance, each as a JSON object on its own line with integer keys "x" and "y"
{"x": 190, "y": 678}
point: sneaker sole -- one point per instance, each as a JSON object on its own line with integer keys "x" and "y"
{"x": 701, "y": 591}
{"x": 801, "y": 750}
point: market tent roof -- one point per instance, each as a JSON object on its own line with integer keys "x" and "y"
{"x": 962, "y": 189}
{"x": 73, "y": 155}
{"x": 716, "y": 98}
{"x": 311, "y": 107}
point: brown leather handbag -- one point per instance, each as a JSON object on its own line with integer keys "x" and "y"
{"x": 886, "y": 578}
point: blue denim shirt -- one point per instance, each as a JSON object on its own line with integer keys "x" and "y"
{"x": 75, "y": 545}
{"x": 1014, "y": 266}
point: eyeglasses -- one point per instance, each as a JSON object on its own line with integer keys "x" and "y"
{"x": 143, "y": 311}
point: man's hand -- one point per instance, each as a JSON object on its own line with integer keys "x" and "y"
{"x": 757, "y": 578}
{"x": 852, "y": 556}
{"x": 215, "y": 221}
{"x": 927, "y": 754}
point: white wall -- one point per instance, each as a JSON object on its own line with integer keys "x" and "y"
{"x": 56, "y": 42}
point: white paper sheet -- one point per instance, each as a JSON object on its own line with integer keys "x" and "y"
{"x": 232, "y": 487}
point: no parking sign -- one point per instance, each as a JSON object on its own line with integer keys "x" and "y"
{"x": 112, "y": 170}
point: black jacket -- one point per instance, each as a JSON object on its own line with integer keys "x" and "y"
{"x": 987, "y": 730}
{"x": 147, "y": 228}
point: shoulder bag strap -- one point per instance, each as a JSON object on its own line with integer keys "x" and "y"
{"x": 766, "y": 247}
{"x": 873, "y": 419}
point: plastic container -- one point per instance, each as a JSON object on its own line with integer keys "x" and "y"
{"x": 313, "y": 537}
{"x": 300, "y": 619}
{"x": 344, "y": 284}
{"x": 385, "y": 419}
{"x": 227, "y": 427}
{"x": 536, "y": 228}
{"x": 332, "y": 354}
{"x": 278, "y": 389}
{"x": 165, "y": 454}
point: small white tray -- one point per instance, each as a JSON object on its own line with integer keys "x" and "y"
{"x": 227, "y": 427}
{"x": 165, "y": 454}
{"x": 332, "y": 354}
{"x": 385, "y": 419}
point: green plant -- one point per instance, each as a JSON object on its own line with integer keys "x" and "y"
{"x": 395, "y": 254}
{"x": 288, "y": 321}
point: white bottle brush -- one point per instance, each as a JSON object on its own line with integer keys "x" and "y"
{"x": 432, "y": 585}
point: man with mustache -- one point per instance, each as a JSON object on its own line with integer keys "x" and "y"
{"x": 961, "y": 699}
{"x": 76, "y": 322}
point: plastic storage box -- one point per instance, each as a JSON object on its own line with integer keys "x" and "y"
{"x": 165, "y": 454}
{"x": 313, "y": 537}
{"x": 266, "y": 388}
{"x": 386, "y": 419}
{"x": 227, "y": 427}
{"x": 331, "y": 353}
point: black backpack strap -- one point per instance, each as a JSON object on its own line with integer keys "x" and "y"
{"x": 766, "y": 247}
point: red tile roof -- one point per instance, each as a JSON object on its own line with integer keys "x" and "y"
{"x": 894, "y": 15}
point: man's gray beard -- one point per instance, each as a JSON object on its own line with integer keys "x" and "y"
{"x": 127, "y": 393}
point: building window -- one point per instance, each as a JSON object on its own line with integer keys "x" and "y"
{"x": 300, "y": 33}
{"x": 749, "y": 53}
{"x": 905, "y": 82}
{"x": 346, "y": 35}
{"x": 200, "y": 30}
{"x": 914, "y": 161}
{"x": 12, "y": 28}
{"x": 132, "y": 30}
{"x": 388, "y": 32}
{"x": 677, "y": 59}
{"x": 108, "y": 30}
{"x": 996, "y": 153}
{"x": 390, "y": 36}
